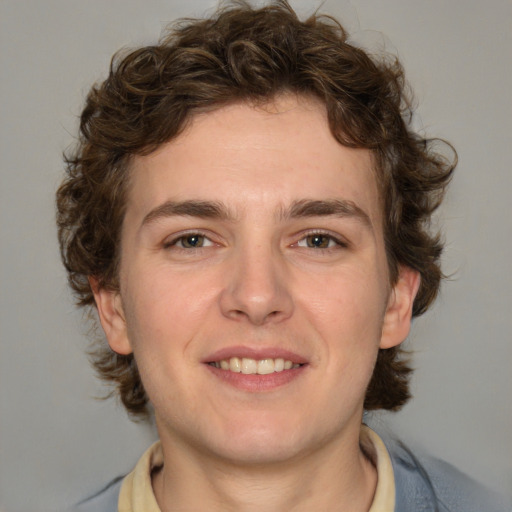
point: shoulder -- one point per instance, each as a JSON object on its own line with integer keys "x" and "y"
{"x": 126, "y": 491}
{"x": 104, "y": 500}
{"x": 424, "y": 483}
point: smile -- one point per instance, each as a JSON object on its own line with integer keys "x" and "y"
{"x": 250, "y": 366}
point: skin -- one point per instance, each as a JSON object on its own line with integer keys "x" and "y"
{"x": 262, "y": 276}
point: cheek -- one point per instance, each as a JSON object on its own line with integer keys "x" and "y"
{"x": 167, "y": 308}
{"x": 351, "y": 301}
{"x": 161, "y": 322}
{"x": 346, "y": 312}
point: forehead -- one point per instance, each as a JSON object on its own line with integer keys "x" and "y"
{"x": 256, "y": 156}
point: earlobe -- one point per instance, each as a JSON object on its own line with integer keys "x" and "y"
{"x": 397, "y": 320}
{"x": 111, "y": 314}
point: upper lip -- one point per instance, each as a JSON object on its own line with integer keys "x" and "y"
{"x": 254, "y": 353}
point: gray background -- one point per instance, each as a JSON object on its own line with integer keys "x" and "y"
{"x": 57, "y": 443}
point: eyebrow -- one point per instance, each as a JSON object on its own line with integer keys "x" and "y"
{"x": 326, "y": 208}
{"x": 298, "y": 209}
{"x": 203, "y": 209}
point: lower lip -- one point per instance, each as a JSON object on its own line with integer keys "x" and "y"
{"x": 257, "y": 383}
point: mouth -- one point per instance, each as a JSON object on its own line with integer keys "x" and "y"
{"x": 256, "y": 369}
{"x": 249, "y": 366}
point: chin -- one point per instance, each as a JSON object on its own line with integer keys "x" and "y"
{"x": 263, "y": 442}
{"x": 258, "y": 450}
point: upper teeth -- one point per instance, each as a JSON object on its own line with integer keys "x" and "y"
{"x": 253, "y": 366}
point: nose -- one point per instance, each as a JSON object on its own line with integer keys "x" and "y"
{"x": 257, "y": 287}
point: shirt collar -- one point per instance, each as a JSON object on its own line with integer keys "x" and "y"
{"x": 137, "y": 494}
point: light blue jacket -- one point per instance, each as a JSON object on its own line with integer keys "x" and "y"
{"x": 423, "y": 484}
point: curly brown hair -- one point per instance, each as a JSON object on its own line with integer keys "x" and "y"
{"x": 247, "y": 54}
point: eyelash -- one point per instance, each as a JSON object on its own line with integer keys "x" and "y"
{"x": 339, "y": 243}
{"x": 180, "y": 238}
{"x": 175, "y": 241}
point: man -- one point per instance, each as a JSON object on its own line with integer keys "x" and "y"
{"x": 247, "y": 210}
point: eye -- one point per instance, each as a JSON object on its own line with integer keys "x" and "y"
{"x": 190, "y": 241}
{"x": 320, "y": 241}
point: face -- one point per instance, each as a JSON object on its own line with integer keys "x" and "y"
{"x": 254, "y": 289}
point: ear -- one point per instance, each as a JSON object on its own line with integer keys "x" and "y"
{"x": 397, "y": 320}
{"x": 110, "y": 311}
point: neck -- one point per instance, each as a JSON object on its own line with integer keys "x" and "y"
{"x": 336, "y": 477}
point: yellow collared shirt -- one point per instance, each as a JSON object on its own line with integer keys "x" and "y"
{"x": 137, "y": 494}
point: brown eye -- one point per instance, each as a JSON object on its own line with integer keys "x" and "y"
{"x": 192, "y": 241}
{"x": 318, "y": 241}
{"x": 321, "y": 240}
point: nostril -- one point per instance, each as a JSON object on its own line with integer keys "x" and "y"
{"x": 237, "y": 313}
{"x": 243, "y": 303}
